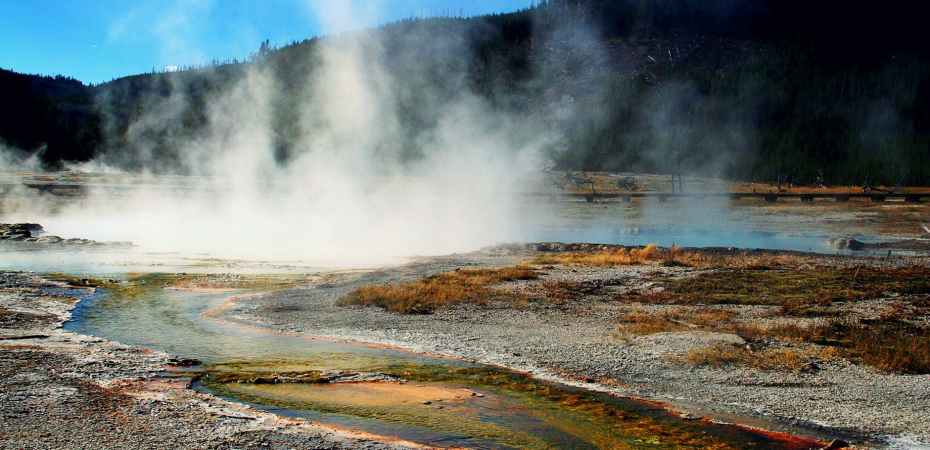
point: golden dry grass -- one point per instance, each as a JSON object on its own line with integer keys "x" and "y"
{"x": 561, "y": 291}
{"x": 723, "y": 355}
{"x": 429, "y": 294}
{"x": 899, "y": 349}
{"x": 742, "y": 260}
{"x": 641, "y": 322}
{"x": 888, "y": 345}
{"x": 800, "y": 189}
{"x": 805, "y": 291}
{"x": 673, "y": 256}
{"x": 611, "y": 257}
{"x": 644, "y": 323}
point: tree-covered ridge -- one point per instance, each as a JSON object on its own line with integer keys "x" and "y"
{"x": 751, "y": 89}
{"x": 52, "y": 115}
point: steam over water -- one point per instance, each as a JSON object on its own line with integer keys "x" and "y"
{"x": 177, "y": 246}
{"x": 359, "y": 185}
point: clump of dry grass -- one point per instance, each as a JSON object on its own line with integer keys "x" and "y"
{"x": 644, "y": 323}
{"x": 640, "y": 322}
{"x": 561, "y": 291}
{"x": 814, "y": 333}
{"x": 611, "y": 257}
{"x": 723, "y": 355}
{"x": 429, "y": 294}
{"x": 891, "y": 346}
{"x": 892, "y": 343}
{"x": 899, "y": 349}
{"x": 706, "y": 317}
{"x": 671, "y": 257}
{"x": 799, "y": 291}
{"x": 814, "y": 189}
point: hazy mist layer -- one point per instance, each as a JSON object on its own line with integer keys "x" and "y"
{"x": 346, "y": 194}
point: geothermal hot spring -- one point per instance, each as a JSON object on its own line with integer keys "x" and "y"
{"x": 443, "y": 401}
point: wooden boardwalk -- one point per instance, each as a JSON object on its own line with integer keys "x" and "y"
{"x": 770, "y": 197}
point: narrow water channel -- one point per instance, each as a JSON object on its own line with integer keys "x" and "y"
{"x": 431, "y": 400}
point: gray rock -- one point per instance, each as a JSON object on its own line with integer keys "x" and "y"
{"x": 847, "y": 244}
{"x": 28, "y": 229}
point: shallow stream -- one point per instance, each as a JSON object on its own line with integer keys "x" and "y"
{"x": 390, "y": 392}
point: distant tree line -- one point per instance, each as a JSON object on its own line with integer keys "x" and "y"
{"x": 55, "y": 116}
{"x": 750, "y": 89}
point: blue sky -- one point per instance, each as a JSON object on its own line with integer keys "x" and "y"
{"x": 98, "y": 40}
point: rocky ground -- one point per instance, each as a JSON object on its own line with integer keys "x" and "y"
{"x": 579, "y": 340}
{"x": 101, "y": 394}
{"x": 62, "y": 390}
{"x": 32, "y": 235}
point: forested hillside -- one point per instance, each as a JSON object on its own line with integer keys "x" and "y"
{"x": 749, "y": 89}
{"x": 55, "y": 116}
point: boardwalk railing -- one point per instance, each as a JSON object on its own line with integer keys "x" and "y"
{"x": 767, "y": 196}
{"x": 772, "y": 197}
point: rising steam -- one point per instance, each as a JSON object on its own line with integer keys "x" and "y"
{"x": 346, "y": 194}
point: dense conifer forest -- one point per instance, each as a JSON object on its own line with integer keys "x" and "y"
{"x": 835, "y": 92}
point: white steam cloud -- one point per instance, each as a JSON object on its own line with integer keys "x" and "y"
{"x": 13, "y": 159}
{"x": 347, "y": 194}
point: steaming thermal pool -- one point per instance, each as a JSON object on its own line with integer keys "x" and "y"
{"x": 442, "y": 402}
